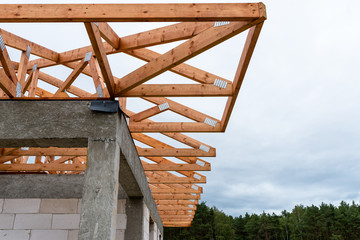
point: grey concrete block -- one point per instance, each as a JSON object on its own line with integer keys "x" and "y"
{"x": 59, "y": 205}
{"x": 49, "y": 234}
{"x": 66, "y": 221}
{"x": 32, "y": 221}
{"x": 7, "y": 221}
{"x": 21, "y": 205}
{"x": 14, "y": 234}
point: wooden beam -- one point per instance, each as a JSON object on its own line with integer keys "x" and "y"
{"x": 7, "y": 85}
{"x": 74, "y": 74}
{"x": 167, "y": 34}
{"x": 130, "y": 12}
{"x": 6, "y": 62}
{"x": 172, "y": 127}
{"x": 176, "y": 207}
{"x": 177, "y": 212}
{"x": 33, "y": 84}
{"x": 109, "y": 35}
{"x": 179, "y": 109}
{"x": 178, "y": 90}
{"x": 179, "y": 54}
{"x": 153, "y": 37}
{"x": 58, "y": 83}
{"x": 95, "y": 39}
{"x": 175, "y": 196}
{"x": 38, "y": 167}
{"x": 177, "y": 224}
{"x": 175, "y": 190}
{"x": 26, "y": 84}
{"x": 22, "y": 44}
{"x": 248, "y": 50}
{"x": 175, "y": 152}
{"x": 182, "y": 69}
{"x": 51, "y": 151}
{"x": 176, "y": 202}
{"x": 176, "y": 167}
{"x": 174, "y": 180}
{"x": 24, "y": 59}
{"x": 146, "y": 114}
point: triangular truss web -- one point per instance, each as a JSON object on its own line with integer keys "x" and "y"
{"x": 172, "y": 172}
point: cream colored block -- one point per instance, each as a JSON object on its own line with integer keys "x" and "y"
{"x": 14, "y": 234}
{"x": 32, "y": 221}
{"x": 7, "y": 220}
{"x": 59, "y": 205}
{"x": 66, "y": 221}
{"x": 73, "y": 235}
{"x": 25, "y": 205}
{"x": 49, "y": 234}
{"x": 121, "y": 221}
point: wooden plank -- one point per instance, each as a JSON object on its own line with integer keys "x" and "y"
{"x": 109, "y": 35}
{"x": 180, "y": 109}
{"x": 153, "y": 37}
{"x": 6, "y": 62}
{"x": 175, "y": 152}
{"x": 177, "y": 212}
{"x": 178, "y": 90}
{"x": 130, "y": 12}
{"x": 176, "y": 167}
{"x": 33, "y": 85}
{"x": 186, "y": 139}
{"x": 58, "y": 83}
{"x": 175, "y": 196}
{"x": 22, "y": 44}
{"x": 182, "y": 69}
{"x": 7, "y": 85}
{"x": 95, "y": 39}
{"x": 178, "y": 224}
{"x": 38, "y": 167}
{"x": 24, "y": 59}
{"x": 175, "y": 190}
{"x": 51, "y": 151}
{"x": 74, "y": 74}
{"x": 179, "y": 54}
{"x": 146, "y": 114}
{"x": 167, "y": 34}
{"x": 176, "y": 207}
{"x": 176, "y": 202}
{"x": 174, "y": 180}
{"x": 172, "y": 127}
{"x": 248, "y": 50}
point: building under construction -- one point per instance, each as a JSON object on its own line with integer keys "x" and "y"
{"x": 80, "y": 164}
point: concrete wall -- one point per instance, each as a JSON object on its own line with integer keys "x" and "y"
{"x": 47, "y": 219}
{"x": 109, "y": 141}
{"x": 58, "y": 219}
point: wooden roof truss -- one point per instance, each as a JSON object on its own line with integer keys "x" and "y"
{"x": 174, "y": 185}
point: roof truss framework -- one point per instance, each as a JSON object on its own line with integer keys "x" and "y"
{"x": 173, "y": 173}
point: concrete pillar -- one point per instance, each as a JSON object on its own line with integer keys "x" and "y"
{"x": 136, "y": 212}
{"x": 99, "y": 202}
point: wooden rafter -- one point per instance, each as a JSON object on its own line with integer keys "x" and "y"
{"x": 173, "y": 184}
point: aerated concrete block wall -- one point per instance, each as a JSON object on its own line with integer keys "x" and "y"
{"x": 48, "y": 219}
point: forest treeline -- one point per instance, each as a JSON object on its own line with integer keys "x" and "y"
{"x": 324, "y": 222}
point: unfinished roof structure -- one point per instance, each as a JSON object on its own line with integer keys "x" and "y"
{"x": 172, "y": 172}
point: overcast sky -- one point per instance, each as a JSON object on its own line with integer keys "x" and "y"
{"x": 294, "y": 134}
